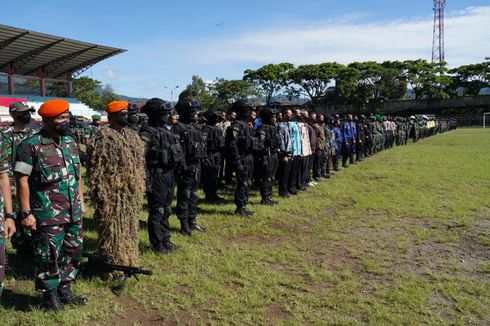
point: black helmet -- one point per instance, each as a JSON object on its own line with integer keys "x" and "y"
{"x": 156, "y": 106}
{"x": 242, "y": 109}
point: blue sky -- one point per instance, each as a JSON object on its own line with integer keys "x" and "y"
{"x": 169, "y": 41}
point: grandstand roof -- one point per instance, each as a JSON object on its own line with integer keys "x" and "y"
{"x": 28, "y": 52}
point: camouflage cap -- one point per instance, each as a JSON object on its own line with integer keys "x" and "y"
{"x": 20, "y": 107}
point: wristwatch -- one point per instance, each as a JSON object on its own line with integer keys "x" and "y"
{"x": 10, "y": 215}
{"x": 25, "y": 214}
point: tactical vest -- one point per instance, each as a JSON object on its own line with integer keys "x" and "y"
{"x": 246, "y": 141}
{"x": 213, "y": 138}
{"x": 194, "y": 146}
{"x": 163, "y": 150}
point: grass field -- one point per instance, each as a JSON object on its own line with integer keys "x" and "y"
{"x": 402, "y": 238}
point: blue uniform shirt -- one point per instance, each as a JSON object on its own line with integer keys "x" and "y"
{"x": 295, "y": 137}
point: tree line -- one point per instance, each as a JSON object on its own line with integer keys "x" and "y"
{"x": 362, "y": 84}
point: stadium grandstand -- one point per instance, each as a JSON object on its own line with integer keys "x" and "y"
{"x": 35, "y": 67}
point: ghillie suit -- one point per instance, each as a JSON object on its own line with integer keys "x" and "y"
{"x": 117, "y": 184}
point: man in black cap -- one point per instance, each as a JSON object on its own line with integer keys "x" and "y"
{"x": 23, "y": 127}
{"x": 189, "y": 175}
{"x": 215, "y": 142}
{"x": 267, "y": 157}
{"x": 163, "y": 154}
{"x": 240, "y": 144}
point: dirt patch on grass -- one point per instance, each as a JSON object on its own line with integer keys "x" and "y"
{"x": 275, "y": 312}
{"x": 135, "y": 313}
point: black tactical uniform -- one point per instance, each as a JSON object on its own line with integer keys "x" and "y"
{"x": 215, "y": 143}
{"x": 189, "y": 175}
{"x": 163, "y": 154}
{"x": 267, "y": 156}
{"x": 360, "y": 138}
{"x": 240, "y": 142}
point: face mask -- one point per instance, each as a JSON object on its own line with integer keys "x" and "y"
{"x": 62, "y": 128}
{"x": 133, "y": 119}
{"x": 25, "y": 118}
{"x": 121, "y": 119}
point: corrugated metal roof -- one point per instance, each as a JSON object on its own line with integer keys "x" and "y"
{"x": 30, "y": 51}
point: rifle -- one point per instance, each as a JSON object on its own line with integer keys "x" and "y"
{"x": 102, "y": 264}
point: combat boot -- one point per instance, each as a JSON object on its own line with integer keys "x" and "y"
{"x": 273, "y": 201}
{"x": 267, "y": 201}
{"x": 51, "y": 301}
{"x": 242, "y": 211}
{"x": 185, "y": 228}
{"x": 197, "y": 227}
{"x": 66, "y": 296}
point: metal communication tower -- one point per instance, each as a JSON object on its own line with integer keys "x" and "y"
{"x": 438, "y": 34}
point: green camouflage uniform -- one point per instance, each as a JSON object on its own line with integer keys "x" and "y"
{"x": 4, "y": 167}
{"x": 12, "y": 137}
{"x": 53, "y": 170}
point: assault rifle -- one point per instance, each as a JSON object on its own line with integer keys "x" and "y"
{"x": 102, "y": 264}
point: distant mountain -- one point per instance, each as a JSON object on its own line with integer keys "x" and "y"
{"x": 135, "y": 100}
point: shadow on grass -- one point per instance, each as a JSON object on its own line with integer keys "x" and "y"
{"x": 19, "y": 301}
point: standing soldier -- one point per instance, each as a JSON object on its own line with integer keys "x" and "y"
{"x": 239, "y": 143}
{"x": 360, "y": 138}
{"x": 267, "y": 160}
{"x": 211, "y": 165}
{"x": 188, "y": 176}
{"x": 23, "y": 127}
{"x": 50, "y": 190}
{"x": 116, "y": 176}
{"x": 320, "y": 147}
{"x": 7, "y": 220}
{"x": 163, "y": 154}
{"x": 348, "y": 141}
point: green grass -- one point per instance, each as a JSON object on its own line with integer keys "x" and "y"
{"x": 402, "y": 238}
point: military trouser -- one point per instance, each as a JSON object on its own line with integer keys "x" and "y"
{"x": 267, "y": 165}
{"x": 58, "y": 251}
{"x": 244, "y": 180}
{"x": 317, "y": 163}
{"x": 210, "y": 173}
{"x": 359, "y": 150}
{"x": 159, "y": 194}
{"x": 3, "y": 253}
{"x": 187, "y": 185}
{"x": 368, "y": 146}
{"x": 324, "y": 162}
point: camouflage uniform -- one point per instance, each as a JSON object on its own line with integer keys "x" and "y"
{"x": 4, "y": 167}
{"x": 53, "y": 170}
{"x": 12, "y": 137}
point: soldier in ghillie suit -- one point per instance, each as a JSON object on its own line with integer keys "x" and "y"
{"x": 23, "y": 127}
{"x": 117, "y": 184}
{"x": 163, "y": 155}
{"x": 50, "y": 189}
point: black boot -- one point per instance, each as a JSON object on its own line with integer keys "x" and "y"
{"x": 197, "y": 227}
{"x": 66, "y": 296}
{"x": 185, "y": 228}
{"x": 51, "y": 301}
{"x": 267, "y": 201}
{"x": 273, "y": 201}
{"x": 242, "y": 211}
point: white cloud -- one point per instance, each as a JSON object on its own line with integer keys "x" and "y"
{"x": 346, "y": 40}
{"x": 111, "y": 74}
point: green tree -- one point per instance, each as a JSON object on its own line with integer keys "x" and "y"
{"x": 85, "y": 89}
{"x": 226, "y": 92}
{"x": 270, "y": 79}
{"x": 199, "y": 91}
{"x": 313, "y": 80}
{"x": 470, "y": 79}
{"x": 108, "y": 95}
{"x": 426, "y": 79}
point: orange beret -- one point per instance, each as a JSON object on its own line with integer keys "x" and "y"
{"x": 53, "y": 108}
{"x": 116, "y": 106}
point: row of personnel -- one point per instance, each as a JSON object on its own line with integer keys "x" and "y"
{"x": 123, "y": 164}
